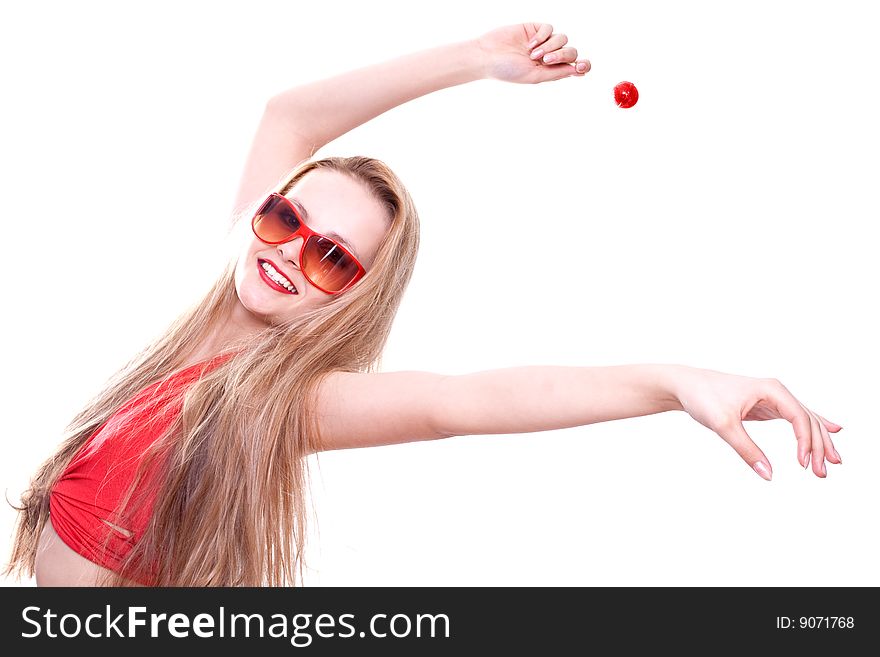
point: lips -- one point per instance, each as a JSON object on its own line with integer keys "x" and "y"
{"x": 268, "y": 280}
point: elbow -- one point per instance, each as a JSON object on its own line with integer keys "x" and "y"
{"x": 278, "y": 111}
{"x": 274, "y": 104}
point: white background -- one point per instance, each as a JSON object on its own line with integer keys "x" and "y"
{"x": 727, "y": 221}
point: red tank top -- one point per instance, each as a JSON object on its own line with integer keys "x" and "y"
{"x": 86, "y": 495}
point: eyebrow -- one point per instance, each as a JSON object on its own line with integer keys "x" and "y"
{"x": 336, "y": 236}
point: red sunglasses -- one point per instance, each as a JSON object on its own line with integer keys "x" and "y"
{"x": 326, "y": 264}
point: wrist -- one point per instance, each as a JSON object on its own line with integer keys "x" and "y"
{"x": 669, "y": 385}
{"x": 481, "y": 56}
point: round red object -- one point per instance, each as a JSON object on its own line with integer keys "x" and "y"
{"x": 626, "y": 95}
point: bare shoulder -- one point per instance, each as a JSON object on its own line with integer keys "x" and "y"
{"x": 372, "y": 409}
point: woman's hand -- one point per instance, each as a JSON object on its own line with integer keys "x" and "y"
{"x": 530, "y": 53}
{"x": 722, "y": 401}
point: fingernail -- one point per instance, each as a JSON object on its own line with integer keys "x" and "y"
{"x": 824, "y": 471}
{"x": 537, "y": 54}
{"x": 763, "y": 469}
{"x": 581, "y": 67}
{"x": 839, "y": 460}
{"x": 533, "y": 43}
{"x": 806, "y": 461}
{"x": 549, "y": 59}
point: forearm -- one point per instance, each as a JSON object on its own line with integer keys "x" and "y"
{"x": 322, "y": 111}
{"x": 526, "y": 399}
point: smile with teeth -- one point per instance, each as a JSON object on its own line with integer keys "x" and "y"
{"x": 276, "y": 276}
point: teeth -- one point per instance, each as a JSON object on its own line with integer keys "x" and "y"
{"x": 278, "y": 278}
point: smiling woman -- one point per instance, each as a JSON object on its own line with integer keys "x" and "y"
{"x": 217, "y": 443}
{"x": 189, "y": 468}
{"x": 313, "y": 252}
{"x": 324, "y": 261}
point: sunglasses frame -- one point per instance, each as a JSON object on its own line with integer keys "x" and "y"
{"x": 306, "y": 233}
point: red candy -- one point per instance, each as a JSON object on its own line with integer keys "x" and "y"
{"x": 626, "y": 95}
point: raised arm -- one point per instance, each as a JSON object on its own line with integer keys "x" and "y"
{"x": 365, "y": 410}
{"x": 299, "y": 121}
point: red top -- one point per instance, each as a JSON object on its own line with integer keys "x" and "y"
{"x": 91, "y": 487}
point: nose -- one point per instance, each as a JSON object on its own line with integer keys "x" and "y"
{"x": 291, "y": 250}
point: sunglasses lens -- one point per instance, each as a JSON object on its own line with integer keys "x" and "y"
{"x": 327, "y": 264}
{"x": 275, "y": 221}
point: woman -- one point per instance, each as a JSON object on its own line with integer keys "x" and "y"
{"x": 189, "y": 468}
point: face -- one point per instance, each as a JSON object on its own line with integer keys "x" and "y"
{"x": 338, "y": 206}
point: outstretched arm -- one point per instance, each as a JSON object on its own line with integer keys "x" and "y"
{"x": 299, "y": 121}
{"x": 364, "y": 410}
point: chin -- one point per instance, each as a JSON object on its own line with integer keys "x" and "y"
{"x": 254, "y": 303}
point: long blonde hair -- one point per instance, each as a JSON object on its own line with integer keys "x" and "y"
{"x": 231, "y": 507}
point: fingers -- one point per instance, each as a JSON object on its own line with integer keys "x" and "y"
{"x": 735, "y": 435}
{"x": 826, "y": 426}
{"x": 583, "y": 66}
{"x": 792, "y": 410}
{"x": 817, "y": 456}
{"x": 549, "y": 51}
{"x": 814, "y": 443}
{"x": 830, "y": 450}
{"x": 803, "y": 431}
{"x": 543, "y": 32}
{"x": 558, "y": 71}
{"x": 831, "y": 426}
{"x": 561, "y": 56}
{"x": 831, "y": 453}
